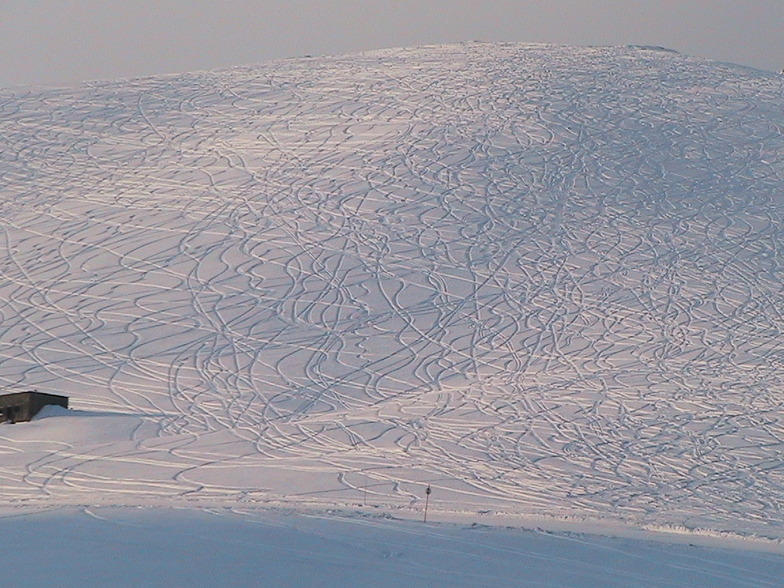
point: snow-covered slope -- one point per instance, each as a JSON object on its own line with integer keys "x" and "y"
{"x": 539, "y": 279}
{"x": 248, "y": 547}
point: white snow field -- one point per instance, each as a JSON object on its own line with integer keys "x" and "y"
{"x": 545, "y": 281}
{"x": 236, "y": 547}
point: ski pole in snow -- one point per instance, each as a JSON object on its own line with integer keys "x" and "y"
{"x": 427, "y": 500}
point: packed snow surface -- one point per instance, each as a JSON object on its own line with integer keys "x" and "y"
{"x": 541, "y": 280}
{"x": 240, "y": 548}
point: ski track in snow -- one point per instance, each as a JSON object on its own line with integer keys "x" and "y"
{"x": 540, "y": 279}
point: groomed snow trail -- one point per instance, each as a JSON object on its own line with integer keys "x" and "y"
{"x": 541, "y": 279}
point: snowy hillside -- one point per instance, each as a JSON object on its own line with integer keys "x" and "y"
{"x": 543, "y": 280}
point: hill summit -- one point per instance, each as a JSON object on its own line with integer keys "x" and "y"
{"x": 540, "y": 279}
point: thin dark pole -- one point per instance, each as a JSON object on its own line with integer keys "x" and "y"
{"x": 427, "y": 500}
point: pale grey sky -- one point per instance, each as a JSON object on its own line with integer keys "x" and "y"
{"x": 56, "y": 42}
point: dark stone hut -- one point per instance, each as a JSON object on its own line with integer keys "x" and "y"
{"x": 19, "y": 407}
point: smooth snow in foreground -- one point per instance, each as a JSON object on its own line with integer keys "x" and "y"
{"x": 224, "y": 547}
{"x": 542, "y": 280}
